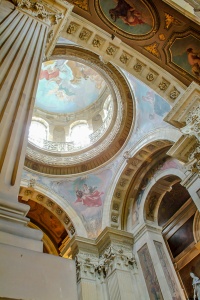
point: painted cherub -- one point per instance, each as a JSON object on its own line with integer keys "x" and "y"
{"x": 128, "y": 14}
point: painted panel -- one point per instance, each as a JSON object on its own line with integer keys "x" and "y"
{"x": 167, "y": 271}
{"x": 133, "y": 17}
{"x": 149, "y": 274}
{"x": 185, "y": 54}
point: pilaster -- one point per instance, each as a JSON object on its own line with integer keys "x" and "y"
{"x": 106, "y": 267}
{"x": 25, "y": 41}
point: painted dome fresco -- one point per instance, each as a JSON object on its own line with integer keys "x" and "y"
{"x": 67, "y": 86}
{"x": 83, "y": 113}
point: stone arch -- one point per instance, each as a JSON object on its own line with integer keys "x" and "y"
{"x": 133, "y": 160}
{"x": 156, "y": 190}
{"x": 64, "y": 212}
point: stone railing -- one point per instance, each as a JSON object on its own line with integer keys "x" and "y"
{"x": 71, "y": 146}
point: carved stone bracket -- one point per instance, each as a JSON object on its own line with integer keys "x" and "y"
{"x": 186, "y": 115}
{"x": 193, "y": 123}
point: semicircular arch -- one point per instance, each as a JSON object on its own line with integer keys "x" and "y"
{"x": 62, "y": 210}
{"x": 133, "y": 160}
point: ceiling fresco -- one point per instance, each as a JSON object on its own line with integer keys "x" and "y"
{"x": 133, "y": 18}
{"x": 63, "y": 83}
{"x": 153, "y": 28}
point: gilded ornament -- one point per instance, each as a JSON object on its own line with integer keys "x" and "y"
{"x": 137, "y": 67}
{"x": 150, "y": 77}
{"x": 83, "y": 4}
{"x": 96, "y": 43}
{"x": 163, "y": 85}
{"x": 50, "y": 203}
{"x": 169, "y": 20}
{"x": 84, "y": 35}
{"x": 128, "y": 172}
{"x": 71, "y": 229}
{"x": 111, "y": 50}
{"x": 118, "y": 195}
{"x": 124, "y": 58}
{"x": 72, "y": 28}
{"x": 174, "y": 94}
{"x": 153, "y": 49}
{"x": 59, "y": 211}
{"x": 39, "y": 197}
{"x": 122, "y": 182}
{"x": 114, "y": 218}
{"x": 66, "y": 220}
{"x": 116, "y": 206}
{"x": 27, "y": 192}
{"x": 162, "y": 37}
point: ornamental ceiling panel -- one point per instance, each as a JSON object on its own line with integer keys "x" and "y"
{"x": 153, "y": 28}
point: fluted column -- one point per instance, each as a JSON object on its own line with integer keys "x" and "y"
{"x": 28, "y": 27}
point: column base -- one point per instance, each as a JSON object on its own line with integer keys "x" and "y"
{"x": 14, "y": 230}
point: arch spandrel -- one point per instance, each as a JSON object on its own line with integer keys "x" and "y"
{"x": 62, "y": 210}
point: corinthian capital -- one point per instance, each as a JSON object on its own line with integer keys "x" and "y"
{"x": 39, "y": 10}
{"x": 192, "y": 127}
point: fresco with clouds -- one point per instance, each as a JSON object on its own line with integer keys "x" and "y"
{"x": 62, "y": 86}
{"x": 85, "y": 194}
{"x": 150, "y": 109}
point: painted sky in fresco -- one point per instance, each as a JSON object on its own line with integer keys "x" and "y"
{"x": 150, "y": 109}
{"x": 85, "y": 194}
{"x": 67, "y": 86}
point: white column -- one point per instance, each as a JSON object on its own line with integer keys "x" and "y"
{"x": 23, "y": 41}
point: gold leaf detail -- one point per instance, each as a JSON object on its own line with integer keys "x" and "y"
{"x": 153, "y": 49}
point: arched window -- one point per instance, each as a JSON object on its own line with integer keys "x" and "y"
{"x": 37, "y": 133}
{"x": 80, "y": 134}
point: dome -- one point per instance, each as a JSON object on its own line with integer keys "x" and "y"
{"x": 67, "y": 86}
{"x": 81, "y": 112}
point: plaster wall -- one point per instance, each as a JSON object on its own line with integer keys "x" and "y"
{"x": 30, "y": 275}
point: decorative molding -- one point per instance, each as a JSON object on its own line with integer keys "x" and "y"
{"x": 126, "y": 178}
{"x": 30, "y": 193}
{"x": 39, "y": 10}
{"x": 97, "y": 259}
{"x": 153, "y": 49}
{"x": 121, "y": 54}
{"x": 111, "y": 141}
{"x": 186, "y": 115}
